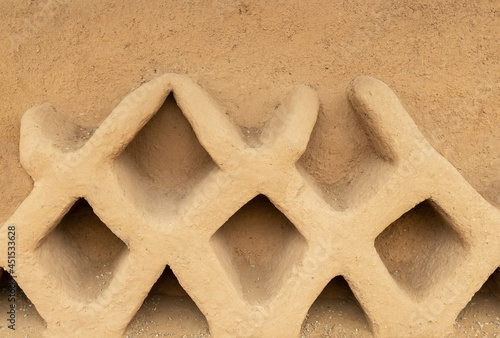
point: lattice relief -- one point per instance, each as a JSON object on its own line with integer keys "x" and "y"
{"x": 447, "y": 258}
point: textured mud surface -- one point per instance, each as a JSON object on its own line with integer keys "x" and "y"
{"x": 440, "y": 58}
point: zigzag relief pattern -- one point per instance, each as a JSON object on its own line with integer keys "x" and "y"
{"x": 447, "y": 257}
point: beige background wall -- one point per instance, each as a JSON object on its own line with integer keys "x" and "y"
{"x": 441, "y": 58}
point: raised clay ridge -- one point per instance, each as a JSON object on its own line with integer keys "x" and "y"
{"x": 330, "y": 239}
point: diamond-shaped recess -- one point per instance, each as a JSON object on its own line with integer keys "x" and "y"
{"x": 341, "y": 159}
{"x": 81, "y": 252}
{"x": 164, "y": 160}
{"x": 336, "y": 305}
{"x": 167, "y": 299}
{"x": 258, "y": 246}
{"x": 421, "y": 248}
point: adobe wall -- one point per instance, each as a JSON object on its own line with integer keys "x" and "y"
{"x": 250, "y": 169}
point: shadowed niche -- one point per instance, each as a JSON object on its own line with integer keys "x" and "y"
{"x": 168, "y": 310}
{"x": 164, "y": 161}
{"x": 81, "y": 252}
{"x": 257, "y": 246}
{"x": 336, "y": 312}
{"x": 420, "y": 248}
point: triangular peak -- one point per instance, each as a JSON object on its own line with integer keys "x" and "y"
{"x": 336, "y": 313}
{"x": 168, "y": 311}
